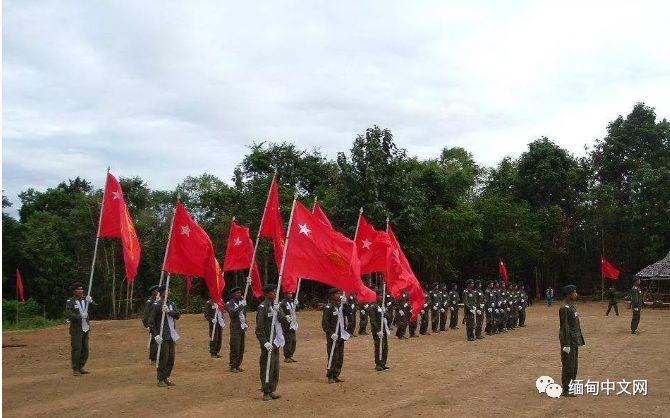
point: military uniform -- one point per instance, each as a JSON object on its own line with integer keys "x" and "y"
{"x": 513, "y": 318}
{"x": 425, "y": 316}
{"x": 613, "y": 303}
{"x": 332, "y": 323}
{"x": 214, "y": 318}
{"x": 263, "y": 330}
{"x": 570, "y": 336}
{"x": 146, "y": 312}
{"x": 488, "y": 306}
{"x": 76, "y": 311}
{"x": 290, "y": 326}
{"x": 238, "y": 329}
{"x": 363, "y": 319}
{"x": 413, "y": 322}
{"x": 504, "y": 309}
{"x": 349, "y": 309}
{"x": 480, "y": 303}
{"x": 470, "y": 308}
{"x": 523, "y": 304}
{"x": 380, "y": 333}
{"x": 435, "y": 302}
{"x": 169, "y": 335}
{"x": 402, "y": 318}
{"x": 390, "y": 309}
{"x": 636, "y": 305}
{"x": 454, "y": 299}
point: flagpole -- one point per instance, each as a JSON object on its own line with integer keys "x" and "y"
{"x": 275, "y": 306}
{"x": 381, "y": 340}
{"x": 97, "y": 239}
{"x": 167, "y": 281}
{"x": 332, "y": 347}
{"x": 258, "y": 237}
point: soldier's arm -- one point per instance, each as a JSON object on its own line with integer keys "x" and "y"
{"x": 261, "y": 315}
{"x": 145, "y": 313}
{"x": 325, "y": 319}
{"x": 154, "y": 318}
{"x": 174, "y": 312}
{"x": 71, "y": 312}
{"x": 564, "y": 330}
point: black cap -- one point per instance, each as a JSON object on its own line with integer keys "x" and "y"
{"x": 75, "y": 286}
{"x": 154, "y": 287}
{"x": 161, "y": 288}
{"x": 478, "y": 281}
{"x": 333, "y": 290}
{"x": 269, "y": 287}
{"x": 235, "y": 289}
{"x": 569, "y": 289}
{"x": 469, "y": 281}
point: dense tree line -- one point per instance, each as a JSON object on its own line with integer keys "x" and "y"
{"x": 548, "y": 214}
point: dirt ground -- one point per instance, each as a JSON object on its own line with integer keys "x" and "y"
{"x": 432, "y": 375}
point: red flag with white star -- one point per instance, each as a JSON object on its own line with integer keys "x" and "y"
{"x": 400, "y": 276}
{"x": 239, "y": 252}
{"x": 117, "y": 223}
{"x": 320, "y": 253}
{"x": 372, "y": 246}
{"x": 191, "y": 253}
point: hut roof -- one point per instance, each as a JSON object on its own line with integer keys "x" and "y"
{"x": 660, "y": 270}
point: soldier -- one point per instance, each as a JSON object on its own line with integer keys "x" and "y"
{"x": 148, "y": 306}
{"x": 636, "y": 304}
{"x": 613, "y": 302}
{"x": 390, "y": 309}
{"x": 413, "y": 322}
{"x": 236, "y": 308}
{"x": 480, "y": 303}
{"x": 363, "y": 323}
{"x": 263, "y": 330}
{"x": 76, "y": 310}
{"x": 380, "y": 331}
{"x": 290, "y": 326}
{"x": 425, "y": 315}
{"x": 167, "y": 339}
{"x": 513, "y": 317}
{"x": 402, "y": 317}
{"x": 454, "y": 299}
{"x": 489, "y": 305}
{"x": 214, "y": 316}
{"x": 523, "y": 303}
{"x": 332, "y": 323}
{"x": 496, "y": 304}
{"x": 570, "y": 336}
{"x": 470, "y": 308}
{"x": 349, "y": 309}
{"x": 504, "y": 306}
{"x": 435, "y": 306}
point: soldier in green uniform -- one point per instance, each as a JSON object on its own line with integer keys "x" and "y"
{"x": 363, "y": 318}
{"x": 489, "y": 305}
{"x": 167, "y": 339}
{"x": 613, "y": 302}
{"x": 523, "y": 304}
{"x": 236, "y": 307}
{"x": 390, "y": 309}
{"x": 636, "y": 305}
{"x": 413, "y": 323}
{"x": 470, "y": 307}
{"x": 349, "y": 309}
{"x": 435, "y": 302}
{"x": 148, "y": 306}
{"x": 497, "y": 306}
{"x": 76, "y": 310}
{"x": 214, "y": 316}
{"x": 570, "y": 336}
{"x": 504, "y": 306}
{"x": 480, "y": 303}
{"x": 402, "y": 317}
{"x": 380, "y": 331}
{"x": 332, "y": 323}
{"x": 263, "y": 330}
{"x": 425, "y": 316}
{"x": 290, "y": 326}
{"x": 454, "y": 299}
{"x": 513, "y": 318}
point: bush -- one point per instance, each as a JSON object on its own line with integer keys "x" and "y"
{"x": 30, "y": 315}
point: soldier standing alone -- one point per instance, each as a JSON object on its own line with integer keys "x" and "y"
{"x": 636, "y": 305}
{"x": 613, "y": 303}
{"x": 76, "y": 309}
{"x": 570, "y": 336}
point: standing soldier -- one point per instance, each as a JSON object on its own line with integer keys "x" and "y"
{"x": 523, "y": 303}
{"x": 413, "y": 322}
{"x": 512, "y": 303}
{"x": 332, "y": 323}
{"x": 470, "y": 308}
{"x": 435, "y": 302}
{"x": 425, "y": 315}
{"x": 380, "y": 331}
{"x": 444, "y": 307}
{"x": 570, "y": 336}
{"x": 363, "y": 320}
{"x": 76, "y": 309}
{"x": 504, "y": 306}
{"x": 497, "y": 303}
{"x": 148, "y": 306}
{"x": 214, "y": 317}
{"x": 454, "y": 299}
{"x": 636, "y": 304}
{"x": 263, "y": 330}
{"x": 489, "y": 304}
{"x": 480, "y": 303}
{"x": 613, "y": 302}
{"x": 402, "y": 317}
{"x": 290, "y": 326}
{"x": 236, "y": 308}
{"x": 166, "y": 341}
{"x": 350, "y": 313}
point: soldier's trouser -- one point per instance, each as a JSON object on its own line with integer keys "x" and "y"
{"x": 503, "y": 320}
{"x": 236, "y": 354}
{"x": 512, "y": 319}
{"x": 79, "y": 349}
{"x": 402, "y": 328}
{"x": 289, "y": 347}
{"x": 351, "y": 323}
{"x": 443, "y": 320}
{"x": 385, "y": 349}
{"x": 635, "y": 321}
{"x": 363, "y": 324}
{"x": 166, "y": 362}
{"x": 435, "y": 319}
{"x": 453, "y": 320}
{"x": 153, "y": 348}
{"x": 489, "y": 323}
{"x": 612, "y": 305}
{"x": 569, "y": 361}
{"x": 479, "y": 321}
{"x": 469, "y": 325}
{"x": 338, "y": 357}
{"x": 412, "y": 328}
{"x": 424, "y": 324}
{"x": 271, "y": 385}
{"x": 522, "y": 317}
{"x": 215, "y": 344}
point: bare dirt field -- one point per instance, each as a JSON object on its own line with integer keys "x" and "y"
{"x": 433, "y": 375}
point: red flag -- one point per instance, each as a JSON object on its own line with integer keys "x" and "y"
{"x": 399, "y": 275}
{"x": 19, "y": 286}
{"x": 320, "y": 215}
{"x": 239, "y": 252}
{"x": 117, "y": 223}
{"x": 608, "y": 270}
{"x": 502, "y": 269}
{"x": 191, "y": 253}
{"x": 372, "y": 246}
{"x": 322, "y": 254}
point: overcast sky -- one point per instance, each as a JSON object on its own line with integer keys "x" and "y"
{"x": 166, "y": 89}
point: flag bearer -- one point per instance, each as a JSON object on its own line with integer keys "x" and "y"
{"x": 263, "y": 329}
{"x": 380, "y": 331}
{"x": 289, "y": 327}
{"x": 333, "y": 325}
{"x": 166, "y": 341}
{"x": 148, "y": 306}
{"x": 214, "y": 317}
{"x": 76, "y": 309}
{"x": 236, "y": 308}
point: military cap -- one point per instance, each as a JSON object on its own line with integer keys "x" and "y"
{"x": 269, "y": 287}
{"x": 569, "y": 289}
{"x": 76, "y": 286}
{"x": 235, "y": 289}
{"x": 333, "y": 290}
{"x": 154, "y": 287}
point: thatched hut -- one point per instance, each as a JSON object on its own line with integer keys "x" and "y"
{"x": 656, "y": 278}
